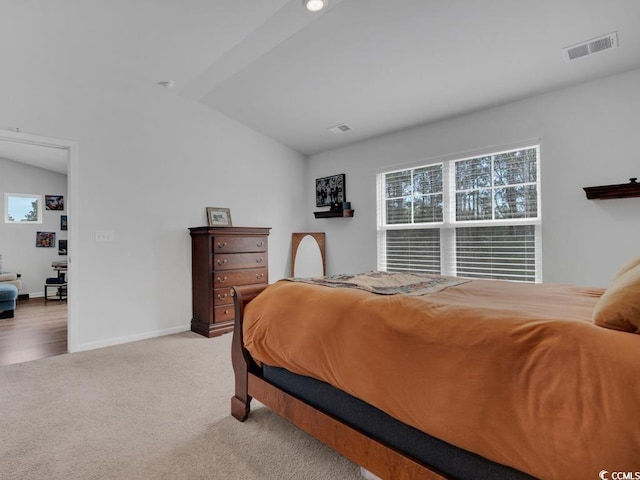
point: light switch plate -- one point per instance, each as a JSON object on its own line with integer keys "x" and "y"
{"x": 104, "y": 236}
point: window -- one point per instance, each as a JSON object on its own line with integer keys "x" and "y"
{"x": 473, "y": 217}
{"x": 22, "y": 208}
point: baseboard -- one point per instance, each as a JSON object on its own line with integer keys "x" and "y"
{"x": 81, "y": 347}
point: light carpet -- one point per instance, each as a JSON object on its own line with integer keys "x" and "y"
{"x": 154, "y": 409}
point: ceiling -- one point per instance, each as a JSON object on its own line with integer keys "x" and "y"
{"x": 376, "y": 65}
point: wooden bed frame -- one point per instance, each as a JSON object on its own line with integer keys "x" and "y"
{"x": 371, "y": 454}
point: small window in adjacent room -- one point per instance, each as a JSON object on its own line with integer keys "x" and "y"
{"x": 22, "y": 208}
{"x": 473, "y": 217}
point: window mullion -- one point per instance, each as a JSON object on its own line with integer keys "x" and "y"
{"x": 448, "y": 251}
{"x": 449, "y": 193}
{"x": 413, "y": 195}
{"x": 447, "y": 232}
{"x": 493, "y": 188}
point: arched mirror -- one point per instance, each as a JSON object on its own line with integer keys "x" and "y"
{"x": 308, "y": 255}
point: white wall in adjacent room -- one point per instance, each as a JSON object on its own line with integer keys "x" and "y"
{"x": 588, "y": 136}
{"x": 18, "y": 240}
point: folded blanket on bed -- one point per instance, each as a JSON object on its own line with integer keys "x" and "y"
{"x": 387, "y": 283}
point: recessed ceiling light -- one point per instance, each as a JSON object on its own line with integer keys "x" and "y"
{"x": 314, "y": 5}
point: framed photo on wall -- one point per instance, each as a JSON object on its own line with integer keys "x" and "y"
{"x": 330, "y": 190}
{"x": 218, "y": 217}
{"x": 63, "y": 222}
{"x": 54, "y": 202}
{"x": 45, "y": 239}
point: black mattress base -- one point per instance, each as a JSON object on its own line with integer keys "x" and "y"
{"x": 449, "y": 460}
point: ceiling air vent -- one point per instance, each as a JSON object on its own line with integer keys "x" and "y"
{"x": 591, "y": 46}
{"x": 342, "y": 128}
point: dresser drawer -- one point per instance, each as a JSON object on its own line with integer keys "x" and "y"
{"x": 223, "y": 313}
{"x": 233, "y": 261}
{"x": 222, "y": 296}
{"x": 222, "y": 244}
{"x": 229, "y": 278}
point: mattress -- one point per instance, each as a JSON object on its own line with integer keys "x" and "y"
{"x": 438, "y": 455}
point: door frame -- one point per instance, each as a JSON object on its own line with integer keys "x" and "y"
{"x": 74, "y": 201}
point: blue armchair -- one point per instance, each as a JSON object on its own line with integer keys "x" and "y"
{"x": 8, "y": 296}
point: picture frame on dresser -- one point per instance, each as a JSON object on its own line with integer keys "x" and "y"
{"x": 219, "y": 217}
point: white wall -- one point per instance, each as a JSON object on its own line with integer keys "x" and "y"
{"x": 588, "y": 136}
{"x": 18, "y": 241}
{"x": 149, "y": 162}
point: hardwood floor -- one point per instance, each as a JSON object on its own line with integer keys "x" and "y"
{"x": 38, "y": 330}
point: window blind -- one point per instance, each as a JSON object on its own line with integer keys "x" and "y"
{"x": 413, "y": 250}
{"x": 499, "y": 253}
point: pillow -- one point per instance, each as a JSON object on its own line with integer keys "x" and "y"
{"x": 619, "y": 306}
{"x": 627, "y": 266}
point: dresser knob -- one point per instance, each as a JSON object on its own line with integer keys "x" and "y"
{"x": 222, "y": 262}
{"x": 222, "y": 244}
{"x": 259, "y": 260}
{"x": 260, "y": 244}
{"x": 259, "y": 275}
{"x": 222, "y": 296}
{"x": 222, "y": 279}
{"x": 226, "y": 312}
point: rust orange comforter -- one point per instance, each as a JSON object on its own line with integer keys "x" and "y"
{"x": 516, "y": 373}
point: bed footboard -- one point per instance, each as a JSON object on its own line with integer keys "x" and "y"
{"x": 240, "y": 358}
{"x": 371, "y": 454}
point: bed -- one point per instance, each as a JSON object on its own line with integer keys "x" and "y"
{"x": 472, "y": 379}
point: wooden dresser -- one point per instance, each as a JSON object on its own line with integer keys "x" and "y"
{"x": 222, "y": 257}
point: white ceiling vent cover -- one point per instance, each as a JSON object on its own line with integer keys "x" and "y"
{"x": 342, "y": 128}
{"x": 591, "y": 46}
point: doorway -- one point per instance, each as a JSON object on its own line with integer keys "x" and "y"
{"x": 16, "y": 146}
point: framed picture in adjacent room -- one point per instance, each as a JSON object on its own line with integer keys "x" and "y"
{"x": 62, "y": 247}
{"x": 63, "y": 222}
{"x": 54, "y": 202}
{"x": 45, "y": 239}
{"x": 218, "y": 217}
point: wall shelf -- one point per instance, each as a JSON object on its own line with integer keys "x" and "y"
{"x": 606, "y": 192}
{"x": 330, "y": 214}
